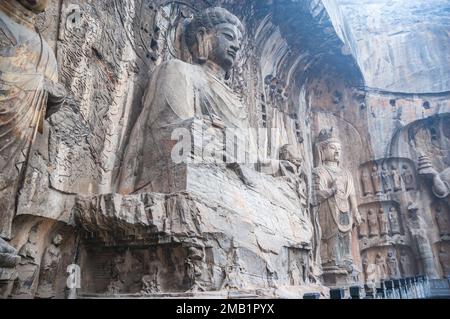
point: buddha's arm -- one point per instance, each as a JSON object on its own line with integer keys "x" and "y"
{"x": 56, "y": 96}
{"x": 321, "y": 191}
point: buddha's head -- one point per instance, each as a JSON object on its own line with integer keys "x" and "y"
{"x": 37, "y": 6}
{"x": 215, "y": 35}
{"x": 57, "y": 240}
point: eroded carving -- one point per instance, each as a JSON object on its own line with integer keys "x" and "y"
{"x": 29, "y": 92}
{"x": 49, "y": 268}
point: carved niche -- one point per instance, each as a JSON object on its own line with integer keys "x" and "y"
{"x": 382, "y": 225}
{"x": 385, "y": 177}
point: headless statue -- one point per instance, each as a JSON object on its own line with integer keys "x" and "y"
{"x": 28, "y": 93}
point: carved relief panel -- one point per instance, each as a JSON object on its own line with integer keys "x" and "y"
{"x": 388, "y": 263}
{"x": 382, "y": 225}
{"x": 391, "y": 176}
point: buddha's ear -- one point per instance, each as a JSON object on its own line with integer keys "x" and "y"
{"x": 203, "y": 45}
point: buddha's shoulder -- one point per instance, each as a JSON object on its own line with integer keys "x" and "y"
{"x": 177, "y": 67}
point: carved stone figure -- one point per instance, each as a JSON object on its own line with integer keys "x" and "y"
{"x": 194, "y": 268}
{"x": 443, "y": 221}
{"x": 394, "y": 221}
{"x": 396, "y": 179}
{"x": 394, "y": 271}
{"x": 418, "y": 230}
{"x": 366, "y": 180}
{"x": 29, "y": 92}
{"x": 370, "y": 271}
{"x": 408, "y": 178}
{"x": 372, "y": 219}
{"x": 380, "y": 261}
{"x": 364, "y": 227}
{"x": 444, "y": 258}
{"x": 405, "y": 264}
{"x": 290, "y": 168}
{"x": 49, "y": 268}
{"x": 180, "y": 91}
{"x": 150, "y": 284}
{"x": 337, "y": 206}
{"x": 440, "y": 181}
{"x": 376, "y": 180}
{"x": 116, "y": 284}
{"x": 385, "y": 176}
{"x": 28, "y": 267}
{"x": 384, "y": 222}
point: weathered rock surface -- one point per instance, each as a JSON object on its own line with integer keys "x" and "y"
{"x": 99, "y": 187}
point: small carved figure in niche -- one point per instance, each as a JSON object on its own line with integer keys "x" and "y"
{"x": 150, "y": 284}
{"x": 233, "y": 279}
{"x": 337, "y": 205}
{"x": 441, "y": 181}
{"x": 364, "y": 227}
{"x": 370, "y": 271}
{"x": 418, "y": 231}
{"x": 396, "y": 179}
{"x": 376, "y": 180}
{"x": 405, "y": 264}
{"x": 28, "y": 267}
{"x": 366, "y": 180}
{"x": 444, "y": 258}
{"x": 394, "y": 221}
{"x": 408, "y": 178}
{"x": 29, "y": 93}
{"x": 385, "y": 176}
{"x": 384, "y": 222}
{"x": 295, "y": 274}
{"x": 117, "y": 268}
{"x": 442, "y": 220}
{"x": 373, "y": 223}
{"x": 115, "y": 287}
{"x": 49, "y": 268}
{"x": 394, "y": 271}
{"x": 194, "y": 268}
{"x": 380, "y": 261}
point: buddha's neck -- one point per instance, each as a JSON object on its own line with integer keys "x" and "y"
{"x": 18, "y": 13}
{"x": 215, "y": 70}
{"x": 331, "y": 164}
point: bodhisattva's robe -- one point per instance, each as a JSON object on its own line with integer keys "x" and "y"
{"x": 27, "y": 68}
{"x": 335, "y": 215}
{"x": 177, "y": 92}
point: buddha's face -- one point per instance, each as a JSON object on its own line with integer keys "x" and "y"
{"x": 225, "y": 43}
{"x": 36, "y": 6}
{"x": 332, "y": 152}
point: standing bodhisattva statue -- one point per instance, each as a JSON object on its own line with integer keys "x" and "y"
{"x": 28, "y": 92}
{"x": 337, "y": 207}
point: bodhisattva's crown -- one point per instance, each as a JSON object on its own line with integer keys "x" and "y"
{"x": 327, "y": 135}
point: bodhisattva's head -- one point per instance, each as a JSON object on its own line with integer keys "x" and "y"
{"x": 37, "y": 6}
{"x": 331, "y": 151}
{"x": 215, "y": 35}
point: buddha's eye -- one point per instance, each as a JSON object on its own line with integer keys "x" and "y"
{"x": 229, "y": 36}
